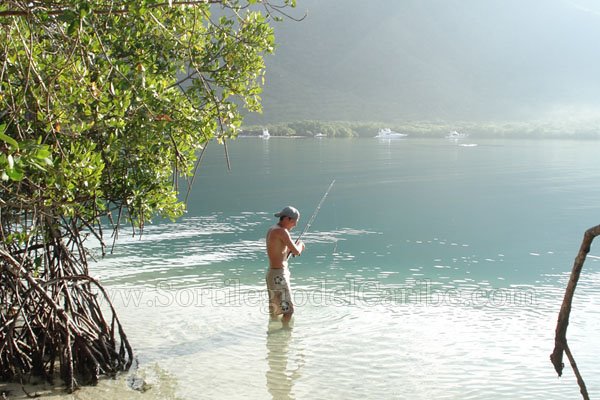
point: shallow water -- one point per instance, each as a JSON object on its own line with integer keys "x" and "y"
{"x": 433, "y": 271}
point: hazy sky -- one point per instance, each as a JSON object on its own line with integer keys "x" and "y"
{"x": 437, "y": 59}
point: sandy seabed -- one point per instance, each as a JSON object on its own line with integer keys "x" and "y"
{"x": 150, "y": 384}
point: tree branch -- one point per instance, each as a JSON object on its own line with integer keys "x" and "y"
{"x": 560, "y": 339}
{"x": 60, "y": 11}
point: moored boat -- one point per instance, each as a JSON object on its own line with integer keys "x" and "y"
{"x": 387, "y": 133}
{"x": 455, "y": 135}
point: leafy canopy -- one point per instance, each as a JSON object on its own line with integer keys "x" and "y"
{"x": 105, "y": 104}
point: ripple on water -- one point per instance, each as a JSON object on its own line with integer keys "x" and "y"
{"x": 360, "y": 331}
{"x": 406, "y": 350}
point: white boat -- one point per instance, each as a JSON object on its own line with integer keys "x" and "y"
{"x": 454, "y": 135}
{"x": 320, "y": 135}
{"x": 387, "y": 133}
{"x": 265, "y": 134}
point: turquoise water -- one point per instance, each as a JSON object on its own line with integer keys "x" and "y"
{"x": 435, "y": 269}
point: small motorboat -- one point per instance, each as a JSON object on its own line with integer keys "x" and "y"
{"x": 454, "y": 135}
{"x": 387, "y": 133}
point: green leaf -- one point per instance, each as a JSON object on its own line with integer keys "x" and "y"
{"x": 15, "y": 174}
{"x": 12, "y": 142}
{"x": 42, "y": 153}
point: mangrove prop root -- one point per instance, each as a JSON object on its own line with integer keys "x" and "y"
{"x": 560, "y": 338}
{"x": 54, "y": 317}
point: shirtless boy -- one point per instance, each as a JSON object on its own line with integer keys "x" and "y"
{"x": 279, "y": 246}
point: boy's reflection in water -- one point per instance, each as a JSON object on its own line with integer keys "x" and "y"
{"x": 282, "y": 371}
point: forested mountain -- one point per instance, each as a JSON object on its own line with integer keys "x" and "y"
{"x": 476, "y": 60}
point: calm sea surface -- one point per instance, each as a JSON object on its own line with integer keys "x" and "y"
{"x": 434, "y": 270}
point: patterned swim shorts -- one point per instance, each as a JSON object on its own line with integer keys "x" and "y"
{"x": 280, "y": 295}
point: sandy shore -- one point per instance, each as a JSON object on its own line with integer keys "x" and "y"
{"x": 104, "y": 390}
{"x": 151, "y": 383}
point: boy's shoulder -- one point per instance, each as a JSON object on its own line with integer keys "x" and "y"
{"x": 278, "y": 230}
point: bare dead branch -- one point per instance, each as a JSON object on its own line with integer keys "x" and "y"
{"x": 560, "y": 339}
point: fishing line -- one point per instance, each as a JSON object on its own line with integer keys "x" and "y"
{"x": 314, "y": 215}
{"x": 335, "y": 233}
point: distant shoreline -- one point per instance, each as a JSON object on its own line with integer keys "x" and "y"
{"x": 424, "y": 129}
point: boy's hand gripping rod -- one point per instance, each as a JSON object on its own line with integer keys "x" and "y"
{"x": 314, "y": 215}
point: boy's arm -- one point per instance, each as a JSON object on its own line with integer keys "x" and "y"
{"x": 295, "y": 248}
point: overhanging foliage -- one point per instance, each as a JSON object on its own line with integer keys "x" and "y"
{"x": 104, "y": 108}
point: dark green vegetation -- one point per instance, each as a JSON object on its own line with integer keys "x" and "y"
{"x": 508, "y": 65}
{"x": 104, "y": 108}
{"x": 417, "y": 129}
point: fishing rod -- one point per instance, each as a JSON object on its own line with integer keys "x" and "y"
{"x": 314, "y": 215}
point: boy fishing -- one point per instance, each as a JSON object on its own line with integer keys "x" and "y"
{"x": 279, "y": 246}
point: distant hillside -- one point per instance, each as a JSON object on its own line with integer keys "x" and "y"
{"x": 390, "y": 60}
